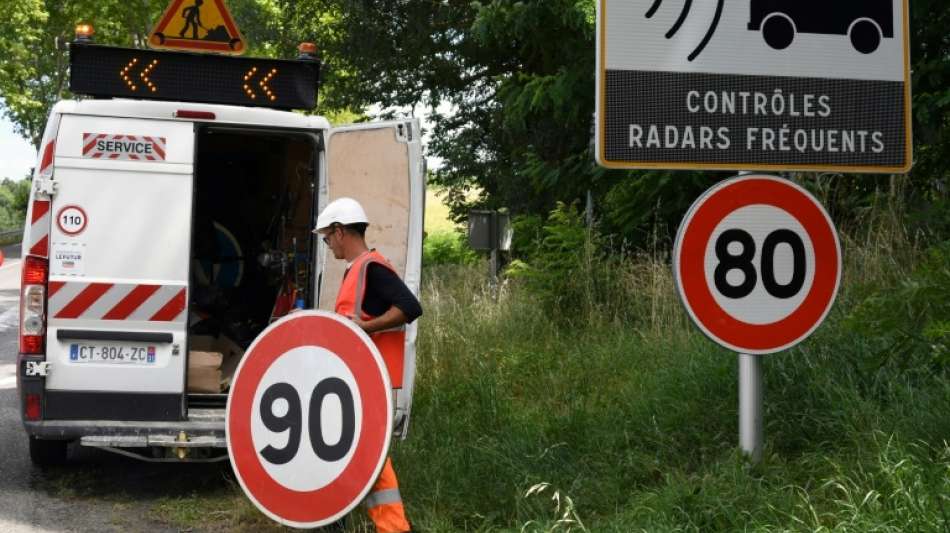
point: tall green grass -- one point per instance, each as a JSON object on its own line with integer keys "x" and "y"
{"x": 615, "y": 414}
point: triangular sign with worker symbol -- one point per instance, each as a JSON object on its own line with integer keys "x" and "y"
{"x": 198, "y": 26}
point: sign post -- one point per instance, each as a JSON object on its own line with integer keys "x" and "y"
{"x": 757, "y": 265}
{"x": 751, "y": 434}
{"x": 309, "y": 418}
{"x": 755, "y": 85}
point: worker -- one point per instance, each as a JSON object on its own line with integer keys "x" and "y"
{"x": 373, "y": 296}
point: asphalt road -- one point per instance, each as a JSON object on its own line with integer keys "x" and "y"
{"x": 96, "y": 490}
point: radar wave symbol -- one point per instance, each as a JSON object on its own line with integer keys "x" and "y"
{"x": 687, "y": 5}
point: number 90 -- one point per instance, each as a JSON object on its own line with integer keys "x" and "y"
{"x": 292, "y": 420}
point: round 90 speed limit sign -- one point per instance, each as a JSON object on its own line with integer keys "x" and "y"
{"x": 309, "y": 418}
{"x": 757, "y": 263}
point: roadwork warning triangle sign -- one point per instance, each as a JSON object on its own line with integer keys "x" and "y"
{"x": 198, "y": 25}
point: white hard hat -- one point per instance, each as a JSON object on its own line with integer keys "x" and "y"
{"x": 341, "y": 211}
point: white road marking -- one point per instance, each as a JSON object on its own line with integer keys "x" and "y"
{"x": 10, "y": 263}
{"x": 7, "y": 375}
{"x": 10, "y": 318}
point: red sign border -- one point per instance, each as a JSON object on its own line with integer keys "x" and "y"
{"x": 59, "y": 224}
{"x": 334, "y": 333}
{"x": 690, "y": 248}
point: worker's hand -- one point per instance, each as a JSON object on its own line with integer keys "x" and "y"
{"x": 361, "y": 323}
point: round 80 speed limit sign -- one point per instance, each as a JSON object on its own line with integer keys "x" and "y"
{"x": 757, "y": 263}
{"x": 309, "y": 418}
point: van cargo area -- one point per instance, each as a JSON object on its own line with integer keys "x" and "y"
{"x": 252, "y": 248}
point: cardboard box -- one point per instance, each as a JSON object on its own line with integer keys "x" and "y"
{"x": 212, "y": 362}
{"x": 204, "y": 371}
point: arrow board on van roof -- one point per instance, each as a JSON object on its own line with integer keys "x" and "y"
{"x": 754, "y": 84}
{"x": 105, "y": 71}
{"x": 198, "y": 26}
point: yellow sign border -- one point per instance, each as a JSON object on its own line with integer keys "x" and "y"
{"x": 601, "y": 147}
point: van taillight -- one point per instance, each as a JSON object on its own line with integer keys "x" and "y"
{"x": 33, "y": 305}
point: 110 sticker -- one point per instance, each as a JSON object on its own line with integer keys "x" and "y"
{"x": 71, "y": 220}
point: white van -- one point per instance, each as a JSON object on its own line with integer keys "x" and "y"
{"x": 155, "y": 226}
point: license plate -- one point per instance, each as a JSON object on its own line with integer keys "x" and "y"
{"x": 112, "y": 354}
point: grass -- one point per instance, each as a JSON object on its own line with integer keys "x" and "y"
{"x": 437, "y": 214}
{"x": 624, "y": 418}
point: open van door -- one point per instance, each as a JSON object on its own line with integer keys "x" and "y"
{"x": 381, "y": 166}
{"x": 119, "y": 266}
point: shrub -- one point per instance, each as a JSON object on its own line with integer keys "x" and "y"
{"x": 910, "y": 319}
{"x": 447, "y": 248}
{"x": 557, "y": 267}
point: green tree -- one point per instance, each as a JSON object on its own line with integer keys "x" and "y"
{"x": 519, "y": 78}
{"x": 14, "y": 196}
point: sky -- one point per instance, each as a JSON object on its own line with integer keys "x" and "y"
{"x": 17, "y": 155}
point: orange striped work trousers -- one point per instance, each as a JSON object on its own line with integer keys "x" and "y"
{"x": 384, "y": 504}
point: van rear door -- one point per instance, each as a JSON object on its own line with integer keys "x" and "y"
{"x": 119, "y": 269}
{"x": 381, "y": 166}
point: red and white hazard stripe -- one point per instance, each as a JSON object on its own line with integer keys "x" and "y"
{"x": 90, "y": 142}
{"x": 40, "y": 211}
{"x": 46, "y": 163}
{"x": 39, "y": 228}
{"x": 108, "y": 301}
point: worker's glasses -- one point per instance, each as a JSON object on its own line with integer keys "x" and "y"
{"x": 326, "y": 238}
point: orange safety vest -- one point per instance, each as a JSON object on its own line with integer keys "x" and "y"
{"x": 349, "y": 302}
{"x": 383, "y": 503}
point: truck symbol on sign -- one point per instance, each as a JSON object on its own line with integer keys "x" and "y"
{"x": 865, "y": 22}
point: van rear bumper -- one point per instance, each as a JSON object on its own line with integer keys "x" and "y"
{"x": 204, "y": 428}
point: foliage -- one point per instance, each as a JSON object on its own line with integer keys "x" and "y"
{"x": 911, "y": 319}
{"x": 447, "y": 248}
{"x": 14, "y": 197}
{"x": 508, "y": 85}
{"x": 518, "y": 76}
{"x": 560, "y": 257}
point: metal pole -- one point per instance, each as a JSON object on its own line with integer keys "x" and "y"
{"x": 750, "y": 406}
{"x": 493, "y": 257}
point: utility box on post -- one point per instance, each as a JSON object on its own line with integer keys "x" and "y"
{"x": 491, "y": 231}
